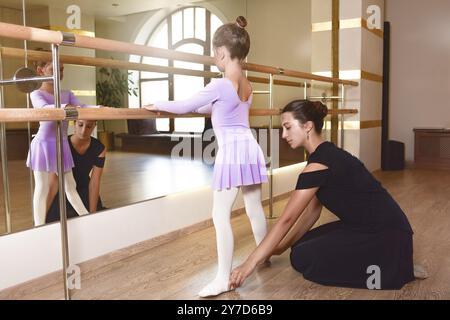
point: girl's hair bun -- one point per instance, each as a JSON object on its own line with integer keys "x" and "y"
{"x": 241, "y": 22}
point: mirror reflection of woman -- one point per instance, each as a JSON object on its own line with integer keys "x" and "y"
{"x": 373, "y": 232}
{"x": 89, "y": 156}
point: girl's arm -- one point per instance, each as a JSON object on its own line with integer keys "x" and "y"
{"x": 94, "y": 185}
{"x": 39, "y": 101}
{"x": 205, "y": 109}
{"x": 73, "y": 101}
{"x": 200, "y": 101}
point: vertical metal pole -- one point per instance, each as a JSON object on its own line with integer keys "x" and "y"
{"x": 25, "y": 47}
{"x": 62, "y": 193}
{"x": 335, "y": 67}
{"x": 271, "y": 148}
{"x": 305, "y": 95}
{"x": 305, "y": 92}
{"x": 342, "y": 115}
{"x": 4, "y": 157}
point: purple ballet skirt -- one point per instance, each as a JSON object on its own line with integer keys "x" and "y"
{"x": 42, "y": 155}
{"x": 239, "y": 159}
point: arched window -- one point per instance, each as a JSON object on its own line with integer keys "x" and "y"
{"x": 188, "y": 29}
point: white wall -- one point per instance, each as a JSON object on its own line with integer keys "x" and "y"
{"x": 420, "y": 67}
{"x": 280, "y": 34}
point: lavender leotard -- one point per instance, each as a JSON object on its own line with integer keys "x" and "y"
{"x": 239, "y": 159}
{"x": 42, "y": 153}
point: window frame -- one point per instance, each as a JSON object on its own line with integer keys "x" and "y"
{"x": 205, "y": 44}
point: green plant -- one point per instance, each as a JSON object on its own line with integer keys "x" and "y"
{"x": 112, "y": 88}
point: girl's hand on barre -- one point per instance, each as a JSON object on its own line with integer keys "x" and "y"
{"x": 151, "y": 107}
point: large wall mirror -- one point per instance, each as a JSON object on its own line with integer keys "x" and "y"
{"x": 140, "y": 162}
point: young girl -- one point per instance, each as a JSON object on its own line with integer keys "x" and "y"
{"x": 239, "y": 162}
{"x": 42, "y": 154}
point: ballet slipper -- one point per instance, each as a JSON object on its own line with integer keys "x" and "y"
{"x": 214, "y": 288}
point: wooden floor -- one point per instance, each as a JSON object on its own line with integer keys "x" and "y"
{"x": 179, "y": 269}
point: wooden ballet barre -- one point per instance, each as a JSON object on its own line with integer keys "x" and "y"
{"x": 131, "y": 113}
{"x": 296, "y": 74}
{"x": 107, "y": 113}
{"x": 342, "y": 111}
{"x": 34, "y": 55}
{"x": 31, "y": 115}
{"x": 61, "y": 38}
{"x": 102, "y": 62}
{"x": 278, "y": 82}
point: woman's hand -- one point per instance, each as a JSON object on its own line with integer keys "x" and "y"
{"x": 239, "y": 274}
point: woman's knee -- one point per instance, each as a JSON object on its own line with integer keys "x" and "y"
{"x": 301, "y": 257}
{"x": 295, "y": 257}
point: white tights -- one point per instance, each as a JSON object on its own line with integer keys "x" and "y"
{"x": 223, "y": 204}
{"x": 41, "y": 190}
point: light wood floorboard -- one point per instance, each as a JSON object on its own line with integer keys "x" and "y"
{"x": 179, "y": 269}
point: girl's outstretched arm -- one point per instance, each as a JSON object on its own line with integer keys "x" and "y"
{"x": 201, "y": 100}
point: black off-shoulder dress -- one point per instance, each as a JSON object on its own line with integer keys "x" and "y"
{"x": 372, "y": 236}
{"x": 84, "y": 163}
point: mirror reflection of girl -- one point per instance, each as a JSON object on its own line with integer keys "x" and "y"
{"x": 239, "y": 162}
{"x": 373, "y": 231}
{"x": 88, "y": 155}
{"x": 42, "y": 157}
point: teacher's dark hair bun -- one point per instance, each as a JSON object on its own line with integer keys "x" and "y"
{"x": 321, "y": 109}
{"x": 305, "y": 110}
